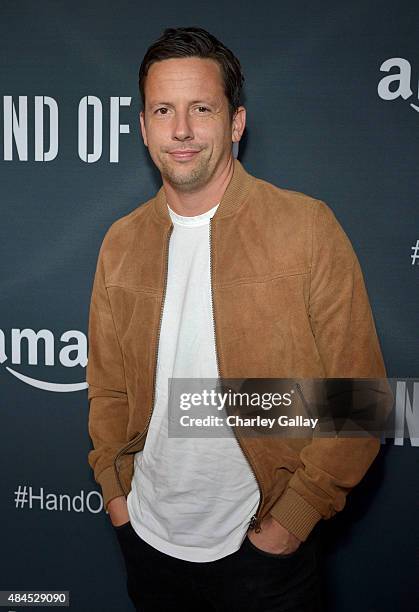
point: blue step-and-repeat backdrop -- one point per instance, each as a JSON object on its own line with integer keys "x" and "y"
{"x": 332, "y": 98}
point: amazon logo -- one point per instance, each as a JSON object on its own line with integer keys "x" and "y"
{"x": 71, "y": 352}
{"x": 398, "y": 83}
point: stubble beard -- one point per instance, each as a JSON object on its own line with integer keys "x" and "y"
{"x": 187, "y": 180}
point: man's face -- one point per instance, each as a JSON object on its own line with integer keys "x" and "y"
{"x": 186, "y": 124}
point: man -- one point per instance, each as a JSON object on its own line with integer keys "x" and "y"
{"x": 219, "y": 275}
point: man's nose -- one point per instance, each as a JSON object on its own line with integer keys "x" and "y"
{"x": 182, "y": 128}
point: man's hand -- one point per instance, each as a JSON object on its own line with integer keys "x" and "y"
{"x": 118, "y": 511}
{"x": 274, "y": 538}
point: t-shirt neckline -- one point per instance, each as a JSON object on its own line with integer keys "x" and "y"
{"x": 194, "y": 221}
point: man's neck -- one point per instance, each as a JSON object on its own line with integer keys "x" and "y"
{"x": 191, "y": 204}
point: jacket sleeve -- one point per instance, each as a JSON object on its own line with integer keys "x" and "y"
{"x": 343, "y": 328}
{"x": 107, "y": 395}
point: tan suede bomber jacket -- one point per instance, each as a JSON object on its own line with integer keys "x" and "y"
{"x": 289, "y": 300}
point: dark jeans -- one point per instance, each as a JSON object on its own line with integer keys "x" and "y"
{"x": 249, "y": 580}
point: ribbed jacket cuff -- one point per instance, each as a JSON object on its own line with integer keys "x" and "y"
{"x": 295, "y": 514}
{"x": 110, "y": 486}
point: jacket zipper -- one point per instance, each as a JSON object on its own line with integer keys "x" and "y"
{"x": 123, "y": 450}
{"x": 300, "y": 393}
{"x": 255, "y": 520}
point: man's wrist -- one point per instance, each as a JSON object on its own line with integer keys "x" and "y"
{"x": 118, "y": 510}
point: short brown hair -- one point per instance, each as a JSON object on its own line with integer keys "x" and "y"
{"x": 196, "y": 42}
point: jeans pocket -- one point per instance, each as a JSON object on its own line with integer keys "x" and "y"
{"x": 265, "y": 553}
{"x": 124, "y": 534}
{"x": 123, "y": 526}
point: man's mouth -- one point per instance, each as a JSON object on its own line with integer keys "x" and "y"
{"x": 183, "y": 154}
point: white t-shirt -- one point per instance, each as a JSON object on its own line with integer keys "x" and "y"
{"x": 191, "y": 498}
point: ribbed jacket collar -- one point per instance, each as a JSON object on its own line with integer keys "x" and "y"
{"x": 236, "y": 193}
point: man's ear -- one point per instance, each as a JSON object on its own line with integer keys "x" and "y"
{"x": 239, "y": 123}
{"x": 142, "y": 126}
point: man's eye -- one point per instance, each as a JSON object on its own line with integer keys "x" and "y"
{"x": 162, "y": 109}
{"x": 203, "y": 108}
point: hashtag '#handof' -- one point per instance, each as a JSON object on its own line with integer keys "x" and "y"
{"x": 415, "y": 250}
{"x": 21, "y": 496}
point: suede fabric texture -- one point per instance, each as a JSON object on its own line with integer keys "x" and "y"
{"x": 289, "y": 300}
